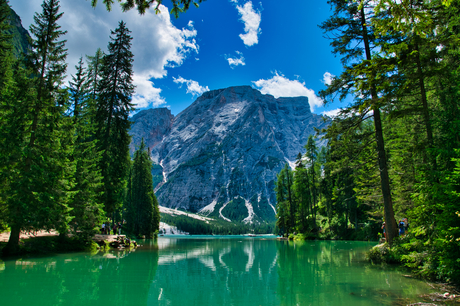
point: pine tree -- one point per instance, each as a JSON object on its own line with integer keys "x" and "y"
{"x": 285, "y": 207}
{"x": 86, "y": 208}
{"x": 143, "y": 210}
{"x": 41, "y": 177}
{"x": 311, "y": 154}
{"x": 95, "y": 64}
{"x": 352, "y": 24}
{"x": 115, "y": 90}
{"x": 6, "y": 94}
{"x": 303, "y": 197}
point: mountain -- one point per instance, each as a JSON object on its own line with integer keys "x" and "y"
{"x": 20, "y": 36}
{"x": 220, "y": 156}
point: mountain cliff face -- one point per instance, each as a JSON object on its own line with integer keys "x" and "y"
{"x": 221, "y": 155}
{"x": 19, "y": 35}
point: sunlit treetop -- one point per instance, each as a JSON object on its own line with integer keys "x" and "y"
{"x": 179, "y": 6}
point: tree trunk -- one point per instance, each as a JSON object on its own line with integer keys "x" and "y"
{"x": 391, "y": 227}
{"x": 425, "y": 109}
{"x": 12, "y": 247}
{"x": 390, "y": 222}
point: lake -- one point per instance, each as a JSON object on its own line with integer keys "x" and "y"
{"x": 201, "y": 270}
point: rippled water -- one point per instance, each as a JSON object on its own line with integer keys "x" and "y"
{"x": 209, "y": 271}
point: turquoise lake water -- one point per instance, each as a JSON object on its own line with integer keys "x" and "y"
{"x": 210, "y": 271}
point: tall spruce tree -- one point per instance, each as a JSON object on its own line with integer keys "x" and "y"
{"x": 115, "y": 90}
{"x": 95, "y": 63}
{"x": 41, "y": 175}
{"x": 86, "y": 208}
{"x": 6, "y": 94}
{"x": 143, "y": 211}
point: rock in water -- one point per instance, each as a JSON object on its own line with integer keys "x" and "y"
{"x": 221, "y": 155}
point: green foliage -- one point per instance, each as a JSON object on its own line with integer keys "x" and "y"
{"x": 215, "y": 227}
{"x": 51, "y": 163}
{"x": 142, "y": 210}
{"x": 114, "y": 92}
{"x": 36, "y": 137}
{"x": 86, "y": 209}
{"x": 235, "y": 210}
{"x": 179, "y": 6}
{"x": 404, "y": 121}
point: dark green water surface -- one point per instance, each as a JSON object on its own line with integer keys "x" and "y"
{"x": 209, "y": 271}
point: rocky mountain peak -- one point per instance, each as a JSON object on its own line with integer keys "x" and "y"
{"x": 221, "y": 155}
{"x": 152, "y": 125}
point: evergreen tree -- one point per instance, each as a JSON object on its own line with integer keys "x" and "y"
{"x": 86, "y": 208}
{"x": 311, "y": 154}
{"x": 285, "y": 208}
{"x": 351, "y": 25}
{"x": 6, "y": 47}
{"x": 6, "y": 94}
{"x": 115, "y": 90}
{"x": 41, "y": 174}
{"x": 179, "y": 6}
{"x": 143, "y": 210}
{"x": 95, "y": 64}
{"x": 303, "y": 197}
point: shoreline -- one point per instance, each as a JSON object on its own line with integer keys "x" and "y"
{"x": 26, "y": 235}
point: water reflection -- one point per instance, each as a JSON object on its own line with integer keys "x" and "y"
{"x": 238, "y": 271}
{"x": 215, "y": 272}
{"x": 335, "y": 273}
{"x": 114, "y": 277}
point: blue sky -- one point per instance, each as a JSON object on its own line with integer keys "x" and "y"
{"x": 273, "y": 46}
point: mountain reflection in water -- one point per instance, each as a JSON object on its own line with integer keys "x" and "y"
{"x": 209, "y": 271}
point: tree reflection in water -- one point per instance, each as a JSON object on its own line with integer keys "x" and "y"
{"x": 214, "y": 271}
{"x": 112, "y": 277}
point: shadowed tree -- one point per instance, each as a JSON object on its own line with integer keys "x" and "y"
{"x": 41, "y": 172}
{"x": 115, "y": 90}
{"x": 142, "y": 208}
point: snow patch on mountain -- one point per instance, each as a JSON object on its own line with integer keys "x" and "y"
{"x": 208, "y": 208}
{"x": 290, "y": 163}
{"x": 173, "y": 212}
{"x": 250, "y": 216}
{"x": 221, "y": 215}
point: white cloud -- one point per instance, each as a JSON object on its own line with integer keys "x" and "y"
{"x": 236, "y": 61}
{"x": 193, "y": 87}
{"x": 146, "y": 94}
{"x": 327, "y": 78}
{"x": 157, "y": 44}
{"x": 331, "y": 113}
{"x": 280, "y": 86}
{"x": 251, "y": 20}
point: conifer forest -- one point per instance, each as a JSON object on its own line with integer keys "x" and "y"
{"x": 64, "y": 156}
{"x": 393, "y": 153}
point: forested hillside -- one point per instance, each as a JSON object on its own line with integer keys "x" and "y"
{"x": 394, "y": 152}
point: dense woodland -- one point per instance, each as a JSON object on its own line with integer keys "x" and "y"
{"x": 394, "y": 151}
{"x": 64, "y": 156}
